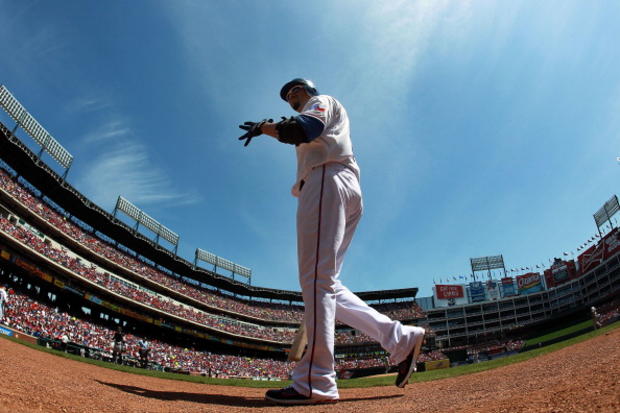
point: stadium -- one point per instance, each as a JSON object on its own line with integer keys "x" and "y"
{"x": 331, "y": 206}
{"x": 77, "y": 274}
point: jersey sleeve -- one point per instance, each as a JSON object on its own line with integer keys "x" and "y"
{"x": 312, "y": 126}
{"x": 319, "y": 107}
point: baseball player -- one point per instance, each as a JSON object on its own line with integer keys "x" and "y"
{"x": 4, "y": 298}
{"x": 329, "y": 209}
{"x": 143, "y": 351}
{"x": 118, "y": 346}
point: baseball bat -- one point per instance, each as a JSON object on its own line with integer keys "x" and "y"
{"x": 299, "y": 343}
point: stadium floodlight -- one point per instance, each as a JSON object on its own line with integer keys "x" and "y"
{"x": 487, "y": 264}
{"x": 127, "y": 207}
{"x": 226, "y": 264}
{"x": 11, "y": 105}
{"x": 33, "y": 128}
{"x": 169, "y": 236}
{"x": 222, "y": 263}
{"x": 206, "y": 256}
{"x": 150, "y": 223}
{"x": 243, "y": 271}
{"x": 147, "y": 221}
{"x": 60, "y": 154}
{"x": 605, "y": 213}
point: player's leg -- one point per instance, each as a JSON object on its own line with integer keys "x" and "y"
{"x": 350, "y": 309}
{"x": 395, "y": 338}
{"x": 321, "y": 221}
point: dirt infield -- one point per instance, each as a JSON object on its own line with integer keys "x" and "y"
{"x": 581, "y": 378}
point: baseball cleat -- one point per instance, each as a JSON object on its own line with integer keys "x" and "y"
{"x": 408, "y": 365}
{"x": 289, "y": 396}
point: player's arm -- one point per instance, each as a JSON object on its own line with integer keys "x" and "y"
{"x": 295, "y": 130}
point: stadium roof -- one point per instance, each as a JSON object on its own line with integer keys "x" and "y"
{"x": 34, "y": 170}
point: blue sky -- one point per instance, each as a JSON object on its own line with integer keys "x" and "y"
{"x": 481, "y": 127}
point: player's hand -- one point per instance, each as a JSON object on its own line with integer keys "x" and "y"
{"x": 253, "y": 129}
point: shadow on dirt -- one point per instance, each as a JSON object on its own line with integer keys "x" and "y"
{"x": 221, "y": 399}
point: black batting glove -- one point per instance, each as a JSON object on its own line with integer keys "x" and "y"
{"x": 253, "y": 129}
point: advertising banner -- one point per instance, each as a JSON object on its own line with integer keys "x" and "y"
{"x": 492, "y": 290}
{"x": 529, "y": 283}
{"x": 5, "y": 255}
{"x": 508, "y": 287}
{"x": 449, "y": 295}
{"x": 591, "y": 258}
{"x": 612, "y": 243}
{"x": 476, "y": 291}
{"x": 445, "y": 292}
{"x": 6, "y": 331}
{"x": 559, "y": 273}
{"x": 437, "y": 364}
{"x": 33, "y": 269}
{"x": 73, "y": 290}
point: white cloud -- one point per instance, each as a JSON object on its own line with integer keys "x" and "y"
{"x": 125, "y": 170}
{"x": 116, "y": 128}
{"x": 88, "y": 104}
{"x": 371, "y": 67}
{"x": 387, "y": 53}
{"x": 122, "y": 167}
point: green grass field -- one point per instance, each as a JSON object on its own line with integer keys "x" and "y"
{"x": 364, "y": 381}
{"x": 559, "y": 333}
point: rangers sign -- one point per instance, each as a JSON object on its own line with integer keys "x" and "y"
{"x": 445, "y": 292}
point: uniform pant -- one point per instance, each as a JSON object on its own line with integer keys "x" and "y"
{"x": 329, "y": 209}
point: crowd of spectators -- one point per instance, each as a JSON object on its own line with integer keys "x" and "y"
{"x": 122, "y": 287}
{"x": 608, "y": 313}
{"x": 146, "y": 297}
{"x": 496, "y": 346}
{"x": 352, "y": 362}
{"x": 262, "y": 310}
{"x": 40, "y": 320}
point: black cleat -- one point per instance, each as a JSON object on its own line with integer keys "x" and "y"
{"x": 289, "y": 396}
{"x": 408, "y": 365}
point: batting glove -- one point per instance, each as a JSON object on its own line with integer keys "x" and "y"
{"x": 253, "y": 129}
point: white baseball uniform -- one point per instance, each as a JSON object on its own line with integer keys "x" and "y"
{"x": 4, "y": 298}
{"x": 329, "y": 209}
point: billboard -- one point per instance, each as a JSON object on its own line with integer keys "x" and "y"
{"x": 445, "y": 292}
{"x": 492, "y": 290}
{"x": 449, "y": 295}
{"x": 529, "y": 283}
{"x": 508, "y": 287}
{"x": 590, "y": 258}
{"x": 612, "y": 243}
{"x": 437, "y": 364}
{"x": 476, "y": 291}
{"x": 560, "y": 272}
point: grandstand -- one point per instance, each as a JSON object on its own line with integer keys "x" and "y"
{"x": 78, "y": 271}
{"x": 43, "y": 238}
